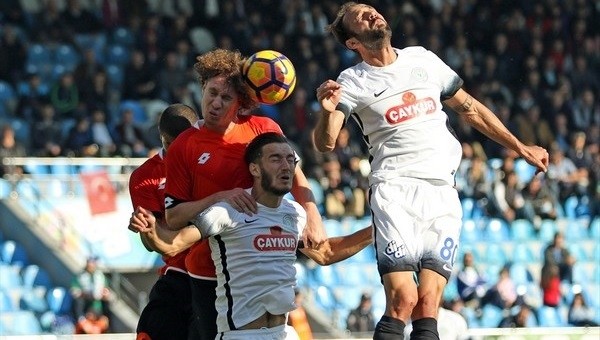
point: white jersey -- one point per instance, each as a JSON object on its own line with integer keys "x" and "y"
{"x": 254, "y": 258}
{"x": 399, "y": 110}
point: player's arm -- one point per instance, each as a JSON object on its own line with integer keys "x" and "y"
{"x": 179, "y": 215}
{"x": 483, "y": 119}
{"x": 160, "y": 239}
{"x": 336, "y": 249}
{"x": 314, "y": 233}
{"x": 332, "y": 117}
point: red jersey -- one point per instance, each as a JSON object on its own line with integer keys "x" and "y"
{"x": 147, "y": 189}
{"x": 202, "y": 162}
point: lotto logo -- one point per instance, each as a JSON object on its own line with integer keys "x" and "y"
{"x": 203, "y": 158}
{"x": 168, "y": 202}
{"x": 395, "y": 250}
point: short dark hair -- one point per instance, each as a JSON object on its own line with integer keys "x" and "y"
{"x": 175, "y": 119}
{"x": 337, "y": 28}
{"x": 254, "y": 149}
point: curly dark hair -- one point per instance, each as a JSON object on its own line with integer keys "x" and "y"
{"x": 226, "y": 63}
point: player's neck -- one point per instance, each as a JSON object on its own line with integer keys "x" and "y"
{"x": 381, "y": 57}
{"x": 268, "y": 199}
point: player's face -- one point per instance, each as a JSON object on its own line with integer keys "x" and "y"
{"x": 368, "y": 26}
{"x": 219, "y": 103}
{"x": 277, "y": 168}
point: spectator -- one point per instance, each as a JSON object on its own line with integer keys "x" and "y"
{"x": 361, "y": 318}
{"x": 518, "y": 320}
{"x": 90, "y": 290}
{"x": 472, "y": 286}
{"x": 131, "y": 136}
{"x": 93, "y": 322}
{"x": 550, "y": 284}
{"x": 504, "y": 293}
{"x": 540, "y": 201}
{"x": 586, "y": 111}
{"x": 64, "y": 96}
{"x": 97, "y": 95}
{"x": 32, "y": 95}
{"x": 46, "y": 134}
{"x": 557, "y": 255}
{"x": 298, "y": 318}
{"x": 103, "y": 135}
{"x": 508, "y": 198}
{"x": 139, "y": 82}
{"x": 580, "y": 314}
{"x": 80, "y": 142}
{"x": 10, "y": 147}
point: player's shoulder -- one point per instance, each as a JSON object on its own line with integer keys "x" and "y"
{"x": 292, "y": 207}
{"x": 149, "y": 166}
{"x": 413, "y": 50}
{"x": 261, "y": 124}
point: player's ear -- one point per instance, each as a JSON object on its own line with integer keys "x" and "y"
{"x": 352, "y": 43}
{"x": 254, "y": 169}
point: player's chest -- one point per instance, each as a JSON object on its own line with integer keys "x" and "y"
{"x": 222, "y": 163}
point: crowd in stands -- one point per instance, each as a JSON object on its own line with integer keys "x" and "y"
{"x": 88, "y": 78}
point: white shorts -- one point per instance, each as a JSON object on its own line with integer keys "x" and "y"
{"x": 417, "y": 225}
{"x": 283, "y": 332}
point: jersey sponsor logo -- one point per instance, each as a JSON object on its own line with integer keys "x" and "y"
{"x": 275, "y": 241}
{"x": 204, "y": 158}
{"x": 411, "y": 108}
{"x": 395, "y": 250}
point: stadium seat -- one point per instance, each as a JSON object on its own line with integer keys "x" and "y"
{"x": 348, "y": 296}
{"x": 549, "y": 317}
{"x": 471, "y": 316}
{"x": 34, "y": 299}
{"x": 301, "y": 275}
{"x": 569, "y": 206}
{"x": 317, "y": 190}
{"x": 470, "y": 233}
{"x": 117, "y": 55}
{"x": 491, "y": 316}
{"x": 350, "y": 274}
{"x": 524, "y": 171}
{"x": 577, "y": 250}
{"x": 575, "y": 231}
{"x": 365, "y": 256}
{"x": 467, "y": 204}
{"x": 495, "y": 254}
{"x": 332, "y": 227}
{"x": 522, "y": 253}
{"x": 547, "y": 230}
{"x": 325, "y": 275}
{"x": 21, "y": 322}
{"x": 520, "y": 275}
{"x": 123, "y": 36}
{"x": 594, "y": 229}
{"x": 324, "y": 297}
{"x": 59, "y": 300}
{"x": 522, "y": 230}
{"x": 496, "y": 230}
{"x": 35, "y": 276}
{"x": 139, "y": 114}
{"x": 67, "y": 56}
{"x": 9, "y": 276}
{"x": 22, "y": 130}
{"x": 13, "y": 252}
{"x": 39, "y": 54}
{"x": 6, "y": 304}
{"x": 8, "y": 99}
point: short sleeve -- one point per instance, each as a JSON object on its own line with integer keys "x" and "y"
{"x": 215, "y": 219}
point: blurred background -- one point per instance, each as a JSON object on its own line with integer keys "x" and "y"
{"x": 83, "y": 81}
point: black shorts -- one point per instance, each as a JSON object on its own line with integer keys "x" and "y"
{"x": 204, "y": 296}
{"x": 168, "y": 314}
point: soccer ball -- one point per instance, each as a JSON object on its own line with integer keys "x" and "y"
{"x": 270, "y": 75}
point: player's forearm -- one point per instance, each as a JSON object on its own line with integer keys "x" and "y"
{"x": 327, "y": 129}
{"x": 339, "y": 248}
{"x": 179, "y": 216}
{"x": 169, "y": 242}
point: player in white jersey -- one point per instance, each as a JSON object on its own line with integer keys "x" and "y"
{"x": 254, "y": 255}
{"x": 396, "y": 96}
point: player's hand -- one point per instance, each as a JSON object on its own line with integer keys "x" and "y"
{"x": 241, "y": 201}
{"x": 142, "y": 221}
{"x": 314, "y": 234}
{"x": 329, "y": 95}
{"x": 536, "y": 156}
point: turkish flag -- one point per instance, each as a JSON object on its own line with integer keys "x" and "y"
{"x": 101, "y": 194}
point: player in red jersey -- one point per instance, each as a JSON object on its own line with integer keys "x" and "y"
{"x": 206, "y": 166}
{"x": 168, "y": 314}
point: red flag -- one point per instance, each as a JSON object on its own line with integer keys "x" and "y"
{"x": 101, "y": 194}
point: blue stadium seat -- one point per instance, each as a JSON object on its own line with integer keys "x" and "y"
{"x": 22, "y": 130}
{"x": 348, "y": 296}
{"x": 317, "y": 190}
{"x": 577, "y": 251}
{"x": 59, "y": 300}
{"x": 547, "y": 230}
{"x": 495, "y": 254}
{"x": 117, "y": 55}
{"x": 6, "y": 304}
{"x": 522, "y": 230}
{"x": 67, "y": 56}
{"x": 569, "y": 206}
{"x": 34, "y": 300}
{"x": 123, "y": 36}
{"x": 522, "y": 253}
{"x": 39, "y": 54}
{"x": 14, "y": 253}
{"x": 325, "y": 275}
{"x": 496, "y": 230}
{"x": 366, "y": 255}
{"x": 524, "y": 171}
{"x": 350, "y": 274}
{"x": 115, "y": 75}
{"x": 332, "y": 227}
{"x": 575, "y": 231}
{"x": 471, "y": 316}
{"x": 302, "y": 278}
{"x": 139, "y": 114}
{"x": 594, "y": 229}
{"x": 520, "y": 274}
{"x": 9, "y": 276}
{"x": 549, "y": 317}
{"x": 8, "y": 99}
{"x": 325, "y": 298}
{"x": 470, "y": 232}
{"x": 467, "y": 204}
{"x": 35, "y": 276}
{"x": 491, "y": 316}
{"x": 20, "y": 323}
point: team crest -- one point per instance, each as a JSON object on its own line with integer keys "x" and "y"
{"x": 289, "y": 221}
{"x": 418, "y": 74}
